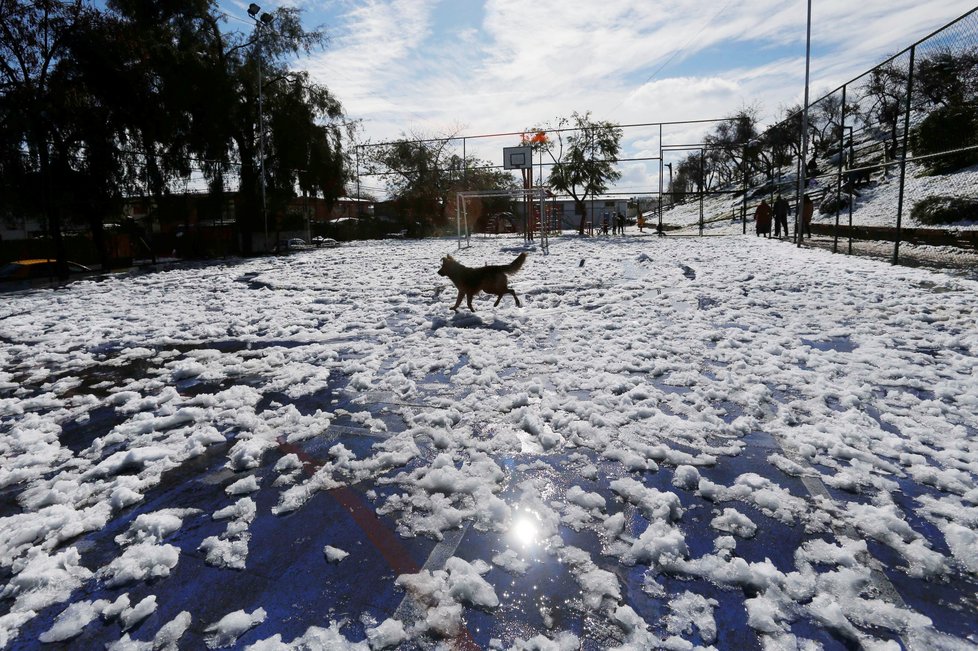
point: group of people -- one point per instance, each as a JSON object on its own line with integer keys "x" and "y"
{"x": 618, "y": 226}
{"x": 764, "y": 213}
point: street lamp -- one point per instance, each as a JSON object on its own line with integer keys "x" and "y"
{"x": 261, "y": 20}
{"x": 802, "y": 181}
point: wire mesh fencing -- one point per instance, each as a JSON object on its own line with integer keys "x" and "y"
{"x": 894, "y": 155}
{"x": 892, "y": 168}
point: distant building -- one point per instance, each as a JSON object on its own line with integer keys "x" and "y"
{"x": 195, "y": 224}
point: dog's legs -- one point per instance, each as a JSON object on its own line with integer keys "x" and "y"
{"x": 458, "y": 301}
{"x": 469, "y": 300}
{"x": 508, "y": 291}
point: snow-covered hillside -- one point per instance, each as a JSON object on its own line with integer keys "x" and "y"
{"x": 875, "y": 206}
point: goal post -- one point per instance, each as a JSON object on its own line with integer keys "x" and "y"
{"x": 531, "y": 195}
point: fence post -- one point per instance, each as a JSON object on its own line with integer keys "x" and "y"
{"x": 838, "y": 187}
{"x": 852, "y": 157}
{"x": 658, "y": 227}
{"x": 903, "y": 155}
{"x": 743, "y": 209}
{"x": 702, "y": 183}
{"x": 802, "y": 181}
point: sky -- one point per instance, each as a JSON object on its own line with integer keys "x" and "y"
{"x": 502, "y": 65}
{"x": 433, "y": 68}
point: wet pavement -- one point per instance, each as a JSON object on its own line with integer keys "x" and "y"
{"x": 287, "y": 575}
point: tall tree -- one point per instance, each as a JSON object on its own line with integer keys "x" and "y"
{"x": 585, "y": 157}
{"x": 419, "y": 173}
{"x": 946, "y": 78}
{"x": 423, "y": 174}
{"x": 782, "y": 142}
{"x": 106, "y": 103}
{"x": 303, "y": 121}
{"x": 34, "y": 37}
{"x": 825, "y": 122}
{"x": 945, "y": 88}
{"x": 886, "y": 92}
{"x": 731, "y": 148}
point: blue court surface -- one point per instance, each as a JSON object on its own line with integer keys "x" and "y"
{"x": 670, "y": 445}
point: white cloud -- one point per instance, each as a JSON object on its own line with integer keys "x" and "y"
{"x": 370, "y": 49}
{"x": 396, "y": 65}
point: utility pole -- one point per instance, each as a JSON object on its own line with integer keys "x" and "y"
{"x": 261, "y": 22}
{"x": 799, "y": 206}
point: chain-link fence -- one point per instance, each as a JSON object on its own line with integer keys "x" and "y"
{"x": 668, "y": 176}
{"x": 893, "y": 166}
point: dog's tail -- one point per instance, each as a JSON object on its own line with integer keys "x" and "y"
{"x": 516, "y": 264}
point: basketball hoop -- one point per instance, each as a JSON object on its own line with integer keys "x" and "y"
{"x": 517, "y": 158}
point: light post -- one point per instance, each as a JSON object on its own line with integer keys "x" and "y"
{"x": 802, "y": 182}
{"x": 261, "y": 21}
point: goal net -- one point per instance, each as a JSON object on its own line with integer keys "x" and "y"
{"x": 538, "y": 223}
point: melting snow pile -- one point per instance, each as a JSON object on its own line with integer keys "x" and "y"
{"x": 679, "y": 443}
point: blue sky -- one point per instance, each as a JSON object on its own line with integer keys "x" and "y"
{"x": 498, "y": 65}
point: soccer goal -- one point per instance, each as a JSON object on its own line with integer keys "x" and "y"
{"x": 534, "y": 198}
{"x": 514, "y": 158}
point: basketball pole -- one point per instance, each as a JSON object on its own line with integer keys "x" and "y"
{"x": 458, "y": 219}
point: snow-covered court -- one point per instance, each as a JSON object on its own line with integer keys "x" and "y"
{"x": 675, "y": 443}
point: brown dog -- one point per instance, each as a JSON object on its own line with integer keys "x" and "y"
{"x": 490, "y": 279}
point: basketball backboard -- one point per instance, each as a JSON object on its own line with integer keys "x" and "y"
{"x": 517, "y": 158}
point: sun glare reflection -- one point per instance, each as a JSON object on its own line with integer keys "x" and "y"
{"x": 525, "y": 530}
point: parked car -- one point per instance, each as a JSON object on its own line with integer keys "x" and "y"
{"x": 293, "y": 244}
{"x": 35, "y": 269}
{"x": 324, "y": 242}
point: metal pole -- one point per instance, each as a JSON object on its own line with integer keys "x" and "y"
{"x": 539, "y": 184}
{"x": 592, "y": 193}
{"x": 702, "y": 183}
{"x": 672, "y": 199}
{"x": 544, "y": 222}
{"x": 359, "y": 202}
{"x": 458, "y": 218}
{"x": 799, "y": 207}
{"x": 743, "y": 210}
{"x": 903, "y": 156}
{"x": 261, "y": 134}
{"x": 851, "y": 200}
{"x": 659, "y": 227}
{"x": 838, "y": 185}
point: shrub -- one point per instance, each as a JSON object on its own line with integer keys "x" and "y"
{"x": 944, "y": 129}
{"x": 945, "y": 210}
